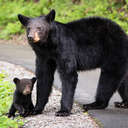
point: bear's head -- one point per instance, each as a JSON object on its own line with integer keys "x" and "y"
{"x": 37, "y": 28}
{"x": 24, "y": 86}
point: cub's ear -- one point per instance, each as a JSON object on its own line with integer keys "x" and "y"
{"x": 23, "y": 19}
{"x": 33, "y": 80}
{"x": 16, "y": 80}
{"x": 51, "y": 15}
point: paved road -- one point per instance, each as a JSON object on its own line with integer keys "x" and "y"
{"x": 86, "y": 88}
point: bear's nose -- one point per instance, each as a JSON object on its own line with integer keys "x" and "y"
{"x": 26, "y": 92}
{"x": 30, "y": 38}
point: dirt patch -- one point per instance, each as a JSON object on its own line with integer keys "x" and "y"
{"x": 16, "y": 39}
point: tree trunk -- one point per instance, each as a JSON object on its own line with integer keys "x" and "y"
{"x": 36, "y": 0}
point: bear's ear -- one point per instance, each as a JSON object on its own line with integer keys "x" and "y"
{"x": 23, "y": 19}
{"x": 33, "y": 80}
{"x": 51, "y": 15}
{"x": 16, "y": 80}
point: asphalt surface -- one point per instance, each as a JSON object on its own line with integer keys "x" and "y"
{"x": 86, "y": 87}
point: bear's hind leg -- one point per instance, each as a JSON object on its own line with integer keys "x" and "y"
{"x": 122, "y": 104}
{"x": 108, "y": 83}
{"x": 123, "y": 91}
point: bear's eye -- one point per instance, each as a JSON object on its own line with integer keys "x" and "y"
{"x": 39, "y": 28}
{"x": 28, "y": 28}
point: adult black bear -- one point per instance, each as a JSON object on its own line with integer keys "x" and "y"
{"x": 22, "y": 101}
{"x": 85, "y": 44}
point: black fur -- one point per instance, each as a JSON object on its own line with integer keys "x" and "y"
{"x": 22, "y": 102}
{"x": 80, "y": 45}
{"x": 123, "y": 91}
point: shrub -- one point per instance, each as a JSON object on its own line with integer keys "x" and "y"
{"x": 66, "y": 11}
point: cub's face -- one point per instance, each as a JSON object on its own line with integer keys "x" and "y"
{"x": 37, "y": 28}
{"x": 24, "y": 86}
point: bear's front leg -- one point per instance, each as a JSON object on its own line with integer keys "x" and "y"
{"x": 20, "y": 109}
{"x": 31, "y": 108}
{"x": 45, "y": 76}
{"x": 69, "y": 82}
{"x": 12, "y": 111}
{"x": 28, "y": 109}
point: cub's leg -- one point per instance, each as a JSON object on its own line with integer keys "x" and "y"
{"x": 20, "y": 109}
{"x": 12, "y": 111}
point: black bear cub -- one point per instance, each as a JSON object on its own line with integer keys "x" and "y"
{"x": 22, "y": 97}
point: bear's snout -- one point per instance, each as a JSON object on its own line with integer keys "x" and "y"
{"x": 30, "y": 38}
{"x": 27, "y": 90}
{"x": 34, "y": 38}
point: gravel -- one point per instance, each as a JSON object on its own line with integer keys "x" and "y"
{"x": 47, "y": 119}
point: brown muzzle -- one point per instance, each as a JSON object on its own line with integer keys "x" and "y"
{"x": 36, "y": 37}
{"x": 27, "y": 90}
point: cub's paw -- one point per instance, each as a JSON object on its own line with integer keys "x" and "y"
{"x": 62, "y": 113}
{"x": 9, "y": 115}
{"x": 30, "y": 112}
{"x": 25, "y": 114}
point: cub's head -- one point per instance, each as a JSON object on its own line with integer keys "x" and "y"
{"x": 37, "y": 28}
{"x": 24, "y": 86}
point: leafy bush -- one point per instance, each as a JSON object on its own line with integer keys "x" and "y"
{"x": 66, "y": 11}
{"x": 6, "y": 90}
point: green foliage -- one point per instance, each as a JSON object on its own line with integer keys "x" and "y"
{"x": 10, "y": 29}
{"x": 66, "y": 11}
{"x": 6, "y": 92}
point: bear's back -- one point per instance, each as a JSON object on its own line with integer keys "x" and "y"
{"x": 94, "y": 26}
